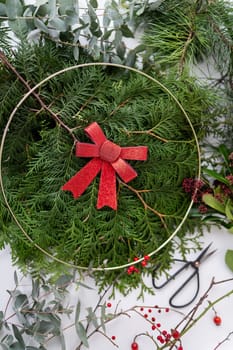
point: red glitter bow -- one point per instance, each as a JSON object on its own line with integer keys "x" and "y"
{"x": 107, "y": 157}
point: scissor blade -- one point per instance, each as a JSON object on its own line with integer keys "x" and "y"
{"x": 203, "y": 255}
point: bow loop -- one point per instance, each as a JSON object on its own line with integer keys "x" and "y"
{"x": 108, "y": 158}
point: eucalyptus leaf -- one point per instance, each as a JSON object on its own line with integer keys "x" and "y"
{"x": 18, "y": 336}
{"x": 14, "y": 8}
{"x": 77, "y": 312}
{"x": 103, "y": 317}
{"x": 58, "y": 24}
{"x": 212, "y": 202}
{"x": 63, "y": 281}
{"x": 94, "y": 3}
{"x": 40, "y": 25}
{"x": 3, "y": 11}
{"x": 126, "y": 31}
{"x": 76, "y": 53}
{"x": 21, "y": 301}
{"x": 82, "y": 333}
{"x": 229, "y": 259}
{"x": 91, "y": 317}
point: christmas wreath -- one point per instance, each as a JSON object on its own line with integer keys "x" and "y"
{"x": 133, "y": 112}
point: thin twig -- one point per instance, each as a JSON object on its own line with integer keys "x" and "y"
{"x": 223, "y": 341}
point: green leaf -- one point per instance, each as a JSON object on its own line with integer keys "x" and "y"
{"x": 77, "y": 312}
{"x": 231, "y": 229}
{"x": 20, "y": 302}
{"x": 91, "y": 317}
{"x": 18, "y": 336}
{"x": 130, "y": 59}
{"x": 76, "y": 53}
{"x": 126, "y": 31}
{"x": 229, "y": 259}
{"x": 63, "y": 281}
{"x": 3, "y": 10}
{"x": 35, "y": 289}
{"x": 14, "y": 8}
{"x": 58, "y": 24}
{"x": 215, "y": 175}
{"x": 40, "y": 25}
{"x": 103, "y": 317}
{"x": 82, "y": 333}
{"x": 94, "y": 3}
{"x": 16, "y": 278}
{"x": 229, "y": 210}
{"x": 212, "y": 202}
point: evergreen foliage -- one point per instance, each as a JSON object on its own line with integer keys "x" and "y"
{"x": 38, "y": 159}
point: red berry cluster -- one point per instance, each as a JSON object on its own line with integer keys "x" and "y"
{"x": 133, "y": 268}
{"x": 196, "y": 189}
{"x": 164, "y": 336}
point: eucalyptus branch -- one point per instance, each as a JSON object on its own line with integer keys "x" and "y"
{"x": 36, "y": 95}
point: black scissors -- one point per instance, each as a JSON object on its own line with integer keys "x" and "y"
{"x": 195, "y": 264}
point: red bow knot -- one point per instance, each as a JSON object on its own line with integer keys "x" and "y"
{"x": 108, "y": 158}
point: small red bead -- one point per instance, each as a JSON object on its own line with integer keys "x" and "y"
{"x": 164, "y": 332}
{"x": 113, "y": 337}
{"x": 153, "y": 327}
{"x": 145, "y": 315}
{"x": 180, "y": 348}
{"x": 149, "y": 310}
{"x": 136, "y": 258}
{"x": 217, "y": 320}
{"x": 158, "y": 325}
{"x": 109, "y": 304}
{"x": 144, "y": 263}
{"x": 167, "y": 309}
{"x": 153, "y": 319}
{"x": 141, "y": 308}
{"x": 134, "y": 346}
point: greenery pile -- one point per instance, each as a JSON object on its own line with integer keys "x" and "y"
{"x": 38, "y": 151}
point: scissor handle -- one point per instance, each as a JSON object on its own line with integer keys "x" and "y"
{"x": 171, "y": 300}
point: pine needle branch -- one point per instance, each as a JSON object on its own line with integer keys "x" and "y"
{"x": 36, "y": 95}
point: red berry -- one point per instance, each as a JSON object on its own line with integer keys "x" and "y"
{"x": 158, "y": 325}
{"x": 175, "y": 334}
{"x": 109, "y": 304}
{"x": 144, "y": 263}
{"x": 167, "y": 309}
{"x": 113, "y": 337}
{"x": 134, "y": 346}
{"x": 153, "y": 319}
{"x": 217, "y": 320}
{"x": 164, "y": 332}
{"x": 146, "y": 257}
{"x": 149, "y": 310}
{"x": 141, "y": 308}
{"x": 153, "y": 327}
{"x": 145, "y": 315}
{"x": 180, "y": 347}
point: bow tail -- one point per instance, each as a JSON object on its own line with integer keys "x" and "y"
{"x": 80, "y": 181}
{"x": 107, "y": 187}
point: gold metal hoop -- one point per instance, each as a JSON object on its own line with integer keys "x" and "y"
{"x": 7, "y": 129}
